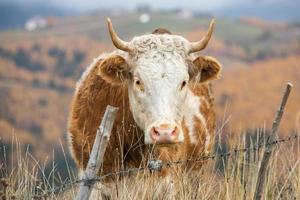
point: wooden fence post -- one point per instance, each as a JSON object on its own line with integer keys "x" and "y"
{"x": 268, "y": 148}
{"x": 96, "y": 156}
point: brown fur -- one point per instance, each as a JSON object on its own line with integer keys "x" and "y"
{"x": 126, "y": 147}
{"x": 161, "y": 31}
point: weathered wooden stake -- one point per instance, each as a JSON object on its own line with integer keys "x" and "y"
{"x": 268, "y": 148}
{"x": 96, "y": 156}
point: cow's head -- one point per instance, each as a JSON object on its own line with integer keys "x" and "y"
{"x": 158, "y": 70}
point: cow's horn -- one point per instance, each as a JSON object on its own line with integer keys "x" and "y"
{"x": 120, "y": 44}
{"x": 198, "y": 46}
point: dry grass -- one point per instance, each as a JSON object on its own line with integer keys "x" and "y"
{"x": 27, "y": 179}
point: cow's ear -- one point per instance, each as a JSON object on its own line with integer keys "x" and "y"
{"x": 204, "y": 68}
{"x": 114, "y": 69}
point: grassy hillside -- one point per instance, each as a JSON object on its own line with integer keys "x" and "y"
{"x": 250, "y": 97}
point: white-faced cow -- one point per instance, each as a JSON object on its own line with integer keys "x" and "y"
{"x": 163, "y": 92}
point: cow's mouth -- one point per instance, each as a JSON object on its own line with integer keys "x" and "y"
{"x": 159, "y": 145}
{"x": 164, "y": 145}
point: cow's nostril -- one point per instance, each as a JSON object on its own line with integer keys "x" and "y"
{"x": 156, "y": 131}
{"x": 174, "y": 132}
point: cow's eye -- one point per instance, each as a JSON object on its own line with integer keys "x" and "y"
{"x": 138, "y": 85}
{"x": 183, "y": 84}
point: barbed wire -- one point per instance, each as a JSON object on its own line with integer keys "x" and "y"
{"x": 158, "y": 165}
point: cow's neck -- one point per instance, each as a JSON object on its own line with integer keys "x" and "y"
{"x": 197, "y": 118}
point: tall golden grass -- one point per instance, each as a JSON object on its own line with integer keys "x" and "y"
{"x": 27, "y": 178}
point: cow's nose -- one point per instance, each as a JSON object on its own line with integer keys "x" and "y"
{"x": 164, "y": 134}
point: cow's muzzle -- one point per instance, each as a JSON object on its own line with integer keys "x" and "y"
{"x": 165, "y": 134}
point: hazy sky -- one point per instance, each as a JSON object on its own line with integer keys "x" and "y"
{"x": 203, "y": 5}
{"x": 90, "y": 4}
{"x": 199, "y": 5}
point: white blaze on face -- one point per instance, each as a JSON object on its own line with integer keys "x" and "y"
{"x": 156, "y": 94}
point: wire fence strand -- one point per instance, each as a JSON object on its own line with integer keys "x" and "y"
{"x": 157, "y": 165}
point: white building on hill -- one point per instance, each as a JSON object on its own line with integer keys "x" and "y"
{"x": 35, "y": 23}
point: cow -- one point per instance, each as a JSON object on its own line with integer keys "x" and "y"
{"x": 162, "y": 88}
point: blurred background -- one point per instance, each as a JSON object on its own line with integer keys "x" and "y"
{"x": 46, "y": 45}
